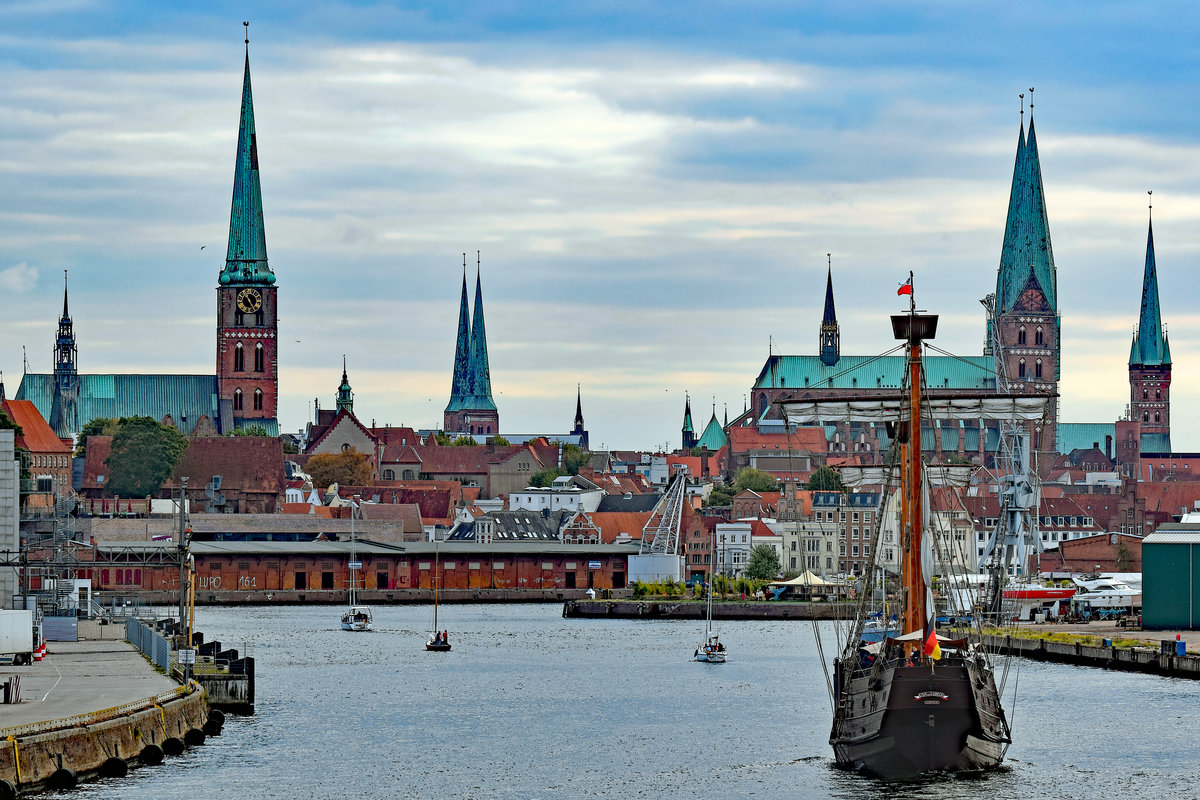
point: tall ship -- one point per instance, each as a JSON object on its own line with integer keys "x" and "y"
{"x": 913, "y": 701}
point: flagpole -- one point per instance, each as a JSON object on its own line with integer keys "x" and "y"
{"x": 912, "y": 295}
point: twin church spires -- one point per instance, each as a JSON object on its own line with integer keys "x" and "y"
{"x": 471, "y": 409}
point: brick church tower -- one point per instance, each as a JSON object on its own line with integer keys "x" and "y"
{"x": 247, "y": 307}
{"x": 1027, "y": 320}
{"x": 1150, "y": 365}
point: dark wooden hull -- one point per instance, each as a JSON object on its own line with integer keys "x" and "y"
{"x": 900, "y": 721}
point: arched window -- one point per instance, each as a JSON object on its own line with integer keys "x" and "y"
{"x": 237, "y": 399}
{"x": 258, "y": 399}
{"x": 388, "y": 475}
{"x": 1145, "y": 394}
{"x": 1158, "y": 394}
{"x": 239, "y": 319}
{"x": 408, "y": 475}
{"x": 239, "y": 358}
{"x": 258, "y": 357}
{"x": 1157, "y": 417}
{"x": 1021, "y": 335}
{"x": 1145, "y": 416}
{"x": 1037, "y": 335}
{"x": 1021, "y": 369}
{"x": 1037, "y": 369}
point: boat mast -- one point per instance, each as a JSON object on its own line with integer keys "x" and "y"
{"x": 437, "y": 565}
{"x": 353, "y": 569}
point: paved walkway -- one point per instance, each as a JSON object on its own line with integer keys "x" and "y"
{"x": 81, "y": 677}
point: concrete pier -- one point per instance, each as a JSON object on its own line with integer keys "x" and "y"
{"x": 694, "y": 609}
{"x": 92, "y": 707}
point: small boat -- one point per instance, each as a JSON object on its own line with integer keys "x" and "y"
{"x": 710, "y": 651}
{"x": 356, "y": 617}
{"x": 439, "y": 640}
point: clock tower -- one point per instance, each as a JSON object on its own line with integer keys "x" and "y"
{"x": 247, "y": 308}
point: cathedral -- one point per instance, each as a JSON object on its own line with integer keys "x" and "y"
{"x": 245, "y": 389}
{"x": 1022, "y": 355}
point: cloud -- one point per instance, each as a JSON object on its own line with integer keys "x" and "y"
{"x": 18, "y": 279}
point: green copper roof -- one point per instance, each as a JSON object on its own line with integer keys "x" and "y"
{"x": 1150, "y": 348}
{"x": 184, "y": 397}
{"x": 687, "y": 415}
{"x": 713, "y": 437}
{"x": 1026, "y": 245}
{"x": 1082, "y": 435}
{"x": 460, "y": 381}
{"x": 345, "y": 396}
{"x": 246, "y": 258}
{"x": 873, "y": 372}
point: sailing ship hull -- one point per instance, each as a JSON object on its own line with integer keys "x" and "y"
{"x": 901, "y": 721}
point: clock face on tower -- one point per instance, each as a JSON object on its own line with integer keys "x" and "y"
{"x": 249, "y": 300}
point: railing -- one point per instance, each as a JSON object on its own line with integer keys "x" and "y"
{"x": 153, "y": 644}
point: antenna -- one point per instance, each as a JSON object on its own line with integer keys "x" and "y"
{"x": 25, "y": 359}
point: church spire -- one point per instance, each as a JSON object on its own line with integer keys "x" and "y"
{"x": 830, "y": 335}
{"x": 1026, "y": 257}
{"x": 480, "y": 372}
{"x": 460, "y": 382}
{"x": 1150, "y": 346}
{"x": 246, "y": 257}
{"x": 65, "y": 350}
{"x": 578, "y": 409}
{"x": 689, "y": 431}
{"x": 345, "y": 397}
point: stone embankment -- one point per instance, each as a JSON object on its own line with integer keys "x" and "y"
{"x": 381, "y": 597}
{"x": 1162, "y": 660}
{"x": 93, "y": 708}
{"x": 694, "y": 609}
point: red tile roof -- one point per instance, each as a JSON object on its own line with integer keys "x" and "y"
{"x": 36, "y": 435}
{"x": 803, "y": 439}
{"x": 245, "y": 463}
{"x": 613, "y": 523}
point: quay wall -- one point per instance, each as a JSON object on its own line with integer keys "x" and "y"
{"x": 1130, "y": 659}
{"x": 35, "y": 756}
{"x": 695, "y": 609}
{"x": 380, "y": 597}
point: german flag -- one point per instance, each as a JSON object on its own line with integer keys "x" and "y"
{"x": 932, "y": 648}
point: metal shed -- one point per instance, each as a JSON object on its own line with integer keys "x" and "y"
{"x": 1171, "y": 578}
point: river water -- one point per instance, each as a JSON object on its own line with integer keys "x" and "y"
{"x": 529, "y": 705}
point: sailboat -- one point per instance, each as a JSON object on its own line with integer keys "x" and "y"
{"x": 356, "y": 617}
{"x": 439, "y": 640}
{"x": 914, "y": 702}
{"x": 710, "y": 651}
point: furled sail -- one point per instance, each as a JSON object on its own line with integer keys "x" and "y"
{"x": 816, "y": 412}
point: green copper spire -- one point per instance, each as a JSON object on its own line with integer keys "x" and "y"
{"x": 246, "y": 258}
{"x": 460, "y": 381}
{"x": 1150, "y": 348}
{"x": 345, "y": 397}
{"x": 480, "y": 373}
{"x": 713, "y": 437}
{"x": 1026, "y": 249}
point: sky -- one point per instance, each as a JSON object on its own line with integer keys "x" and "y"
{"x": 652, "y": 188}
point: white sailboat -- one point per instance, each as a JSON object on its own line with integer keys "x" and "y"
{"x": 710, "y": 651}
{"x": 356, "y": 617}
{"x": 439, "y": 640}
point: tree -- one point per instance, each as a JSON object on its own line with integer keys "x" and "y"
{"x": 347, "y": 468}
{"x": 251, "y": 430}
{"x": 721, "y": 495}
{"x": 763, "y": 564}
{"x": 824, "y": 479}
{"x": 100, "y": 426}
{"x": 575, "y": 458}
{"x": 442, "y": 438}
{"x": 500, "y": 441}
{"x": 144, "y": 454}
{"x": 755, "y": 480}
{"x": 463, "y": 440}
{"x": 545, "y": 477}
{"x": 289, "y": 445}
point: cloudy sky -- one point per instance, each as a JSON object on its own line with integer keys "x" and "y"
{"x": 653, "y": 187}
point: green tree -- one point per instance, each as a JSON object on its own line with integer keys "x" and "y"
{"x": 824, "y": 479}
{"x": 100, "y": 426}
{"x": 763, "y": 564}
{"x": 545, "y": 477}
{"x": 347, "y": 468}
{"x": 575, "y": 458}
{"x": 144, "y": 454}
{"x": 464, "y": 441}
{"x": 289, "y": 445}
{"x": 251, "y": 430}
{"x": 755, "y": 480}
{"x": 442, "y": 438}
{"x": 500, "y": 441}
{"x": 721, "y": 495}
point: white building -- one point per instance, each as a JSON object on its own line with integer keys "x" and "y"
{"x": 10, "y": 492}
{"x": 564, "y": 494}
{"x": 733, "y": 548}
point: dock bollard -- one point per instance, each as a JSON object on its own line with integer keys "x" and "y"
{"x": 152, "y": 755}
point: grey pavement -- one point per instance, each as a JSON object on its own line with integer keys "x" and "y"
{"x": 81, "y": 677}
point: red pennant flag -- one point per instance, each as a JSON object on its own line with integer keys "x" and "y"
{"x": 905, "y": 288}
